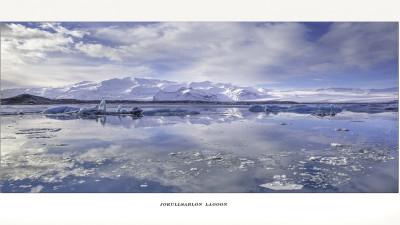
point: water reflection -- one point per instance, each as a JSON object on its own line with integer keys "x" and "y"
{"x": 219, "y": 150}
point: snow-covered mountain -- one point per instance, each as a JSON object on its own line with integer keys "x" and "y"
{"x": 146, "y": 89}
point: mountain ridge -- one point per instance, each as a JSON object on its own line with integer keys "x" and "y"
{"x": 148, "y": 89}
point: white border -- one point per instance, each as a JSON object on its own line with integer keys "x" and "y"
{"x": 242, "y": 209}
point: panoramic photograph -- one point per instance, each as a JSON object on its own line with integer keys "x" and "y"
{"x": 199, "y": 107}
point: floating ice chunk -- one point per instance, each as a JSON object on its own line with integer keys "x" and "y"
{"x": 336, "y": 161}
{"x": 341, "y": 129}
{"x": 279, "y": 186}
{"x": 313, "y": 158}
{"x": 194, "y": 169}
{"x": 21, "y": 112}
{"x": 119, "y": 109}
{"x": 256, "y": 108}
{"x": 136, "y": 111}
{"x": 169, "y": 112}
{"x": 60, "y": 109}
{"x": 102, "y": 105}
{"x": 37, "y": 189}
{"x": 336, "y": 145}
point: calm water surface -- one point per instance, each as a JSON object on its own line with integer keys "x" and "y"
{"x": 222, "y": 149}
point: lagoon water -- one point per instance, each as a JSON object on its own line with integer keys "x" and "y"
{"x": 223, "y": 149}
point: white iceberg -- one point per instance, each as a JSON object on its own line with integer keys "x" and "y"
{"x": 119, "y": 109}
{"x": 103, "y": 105}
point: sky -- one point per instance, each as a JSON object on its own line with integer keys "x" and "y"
{"x": 280, "y": 55}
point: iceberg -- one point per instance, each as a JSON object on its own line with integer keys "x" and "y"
{"x": 93, "y": 110}
{"x": 119, "y": 109}
{"x": 135, "y": 111}
{"x": 322, "y": 110}
{"x": 102, "y": 105}
{"x": 169, "y": 112}
{"x": 256, "y": 108}
{"x": 60, "y": 110}
{"x": 316, "y": 110}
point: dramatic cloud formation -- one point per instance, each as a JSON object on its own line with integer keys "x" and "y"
{"x": 312, "y": 54}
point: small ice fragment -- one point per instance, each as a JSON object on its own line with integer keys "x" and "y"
{"x": 143, "y": 185}
{"x": 336, "y": 145}
{"x": 194, "y": 169}
{"x": 278, "y": 186}
{"x": 313, "y": 158}
{"x": 284, "y": 123}
{"x": 218, "y": 158}
{"x": 341, "y": 129}
{"x": 172, "y": 154}
{"x": 37, "y": 189}
{"x": 21, "y": 112}
{"x": 97, "y": 180}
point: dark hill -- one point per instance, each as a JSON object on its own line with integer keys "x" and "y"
{"x": 26, "y": 99}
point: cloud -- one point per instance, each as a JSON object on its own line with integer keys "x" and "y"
{"x": 21, "y": 45}
{"x": 359, "y": 44}
{"x": 240, "y": 53}
{"x": 56, "y": 72}
{"x": 61, "y": 30}
{"x": 199, "y": 51}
